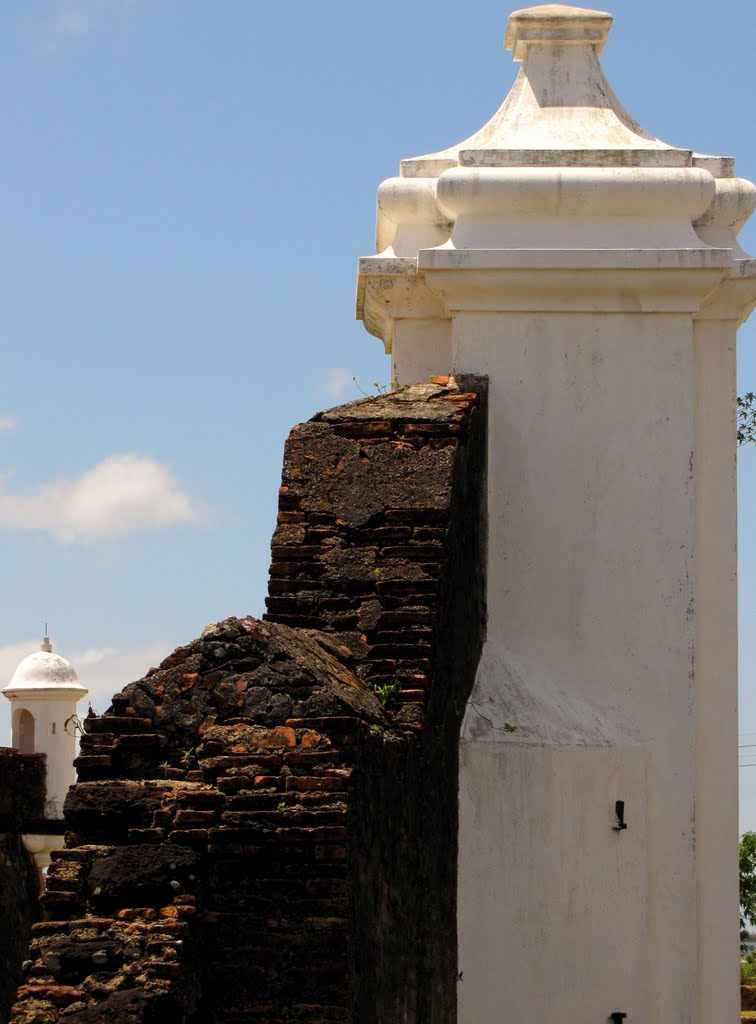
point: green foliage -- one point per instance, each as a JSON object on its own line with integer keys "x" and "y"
{"x": 388, "y": 694}
{"x": 748, "y": 970}
{"x": 747, "y": 881}
{"x": 747, "y": 418}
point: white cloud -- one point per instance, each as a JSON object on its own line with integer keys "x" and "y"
{"x": 7, "y": 422}
{"x": 337, "y": 382}
{"x": 123, "y": 494}
{"x": 106, "y": 670}
{"x": 72, "y": 20}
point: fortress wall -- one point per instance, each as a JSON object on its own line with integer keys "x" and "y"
{"x": 380, "y": 540}
{"x": 264, "y": 827}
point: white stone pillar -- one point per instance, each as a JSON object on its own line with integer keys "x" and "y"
{"x": 592, "y": 272}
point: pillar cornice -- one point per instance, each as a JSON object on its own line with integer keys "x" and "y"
{"x": 390, "y": 289}
{"x": 735, "y": 298}
{"x": 571, "y": 290}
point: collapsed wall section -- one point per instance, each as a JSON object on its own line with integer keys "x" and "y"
{"x": 264, "y": 827}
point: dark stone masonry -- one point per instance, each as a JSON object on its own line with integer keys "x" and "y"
{"x": 265, "y": 827}
{"x": 22, "y": 804}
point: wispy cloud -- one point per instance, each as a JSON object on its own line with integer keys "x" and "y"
{"x": 123, "y": 494}
{"x": 71, "y": 21}
{"x": 337, "y": 382}
{"x": 7, "y": 423}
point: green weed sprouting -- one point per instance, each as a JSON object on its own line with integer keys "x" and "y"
{"x": 380, "y": 389}
{"x": 388, "y": 694}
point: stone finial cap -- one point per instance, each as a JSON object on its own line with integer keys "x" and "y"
{"x": 555, "y": 23}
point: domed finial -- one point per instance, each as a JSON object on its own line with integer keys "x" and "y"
{"x": 555, "y": 24}
{"x": 46, "y": 645}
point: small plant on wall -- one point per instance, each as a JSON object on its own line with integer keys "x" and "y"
{"x": 388, "y": 694}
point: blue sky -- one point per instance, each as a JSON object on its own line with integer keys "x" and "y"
{"x": 185, "y": 188}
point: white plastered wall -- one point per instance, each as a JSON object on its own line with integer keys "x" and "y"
{"x": 590, "y": 595}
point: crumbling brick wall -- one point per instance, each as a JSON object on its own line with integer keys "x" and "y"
{"x": 22, "y": 801}
{"x": 264, "y": 828}
{"x": 381, "y": 540}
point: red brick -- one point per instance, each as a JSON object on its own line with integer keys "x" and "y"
{"x": 290, "y": 569}
{"x": 291, "y": 517}
{"x": 381, "y": 533}
{"x": 363, "y": 428}
{"x": 428, "y": 429}
{"x": 266, "y": 781}
{"x": 417, "y": 589}
{"x": 93, "y": 761}
{"x": 298, "y": 551}
{"x": 294, "y": 620}
{"x": 117, "y": 724}
{"x": 429, "y": 533}
{"x": 136, "y": 913}
{"x": 312, "y": 757}
{"x": 413, "y": 552}
{"x": 315, "y": 834}
{"x": 194, "y": 837}
{"x": 327, "y": 725}
{"x": 316, "y": 782}
{"x": 416, "y": 515}
{"x": 310, "y": 738}
{"x": 198, "y": 799}
{"x": 58, "y": 995}
{"x": 131, "y": 741}
{"x": 146, "y": 835}
{"x": 194, "y": 817}
{"x": 280, "y": 736}
{"x": 164, "y": 968}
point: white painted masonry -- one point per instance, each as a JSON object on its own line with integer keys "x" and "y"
{"x": 593, "y": 273}
{"x": 44, "y": 692}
